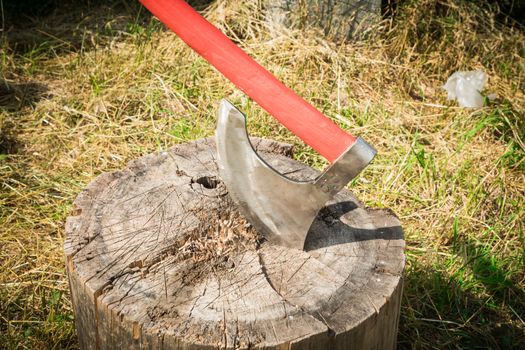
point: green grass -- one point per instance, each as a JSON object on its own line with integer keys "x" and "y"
{"x": 85, "y": 91}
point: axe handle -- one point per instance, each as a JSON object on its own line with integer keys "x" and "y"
{"x": 292, "y": 111}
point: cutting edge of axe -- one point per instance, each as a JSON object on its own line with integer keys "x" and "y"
{"x": 282, "y": 209}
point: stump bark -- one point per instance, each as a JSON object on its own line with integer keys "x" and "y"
{"x": 158, "y": 258}
{"x": 341, "y": 20}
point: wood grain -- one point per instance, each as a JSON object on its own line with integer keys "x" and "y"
{"x": 158, "y": 258}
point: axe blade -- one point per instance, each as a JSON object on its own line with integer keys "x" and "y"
{"x": 281, "y": 209}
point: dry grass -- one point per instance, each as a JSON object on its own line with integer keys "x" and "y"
{"x": 86, "y": 91}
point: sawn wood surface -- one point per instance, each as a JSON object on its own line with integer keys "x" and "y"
{"x": 145, "y": 274}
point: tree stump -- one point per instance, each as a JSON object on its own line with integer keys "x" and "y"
{"x": 341, "y": 20}
{"x": 158, "y": 258}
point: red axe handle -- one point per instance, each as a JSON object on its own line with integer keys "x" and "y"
{"x": 292, "y": 111}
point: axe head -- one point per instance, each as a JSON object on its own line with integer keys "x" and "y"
{"x": 279, "y": 208}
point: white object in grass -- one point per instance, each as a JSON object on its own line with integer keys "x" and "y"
{"x": 465, "y": 87}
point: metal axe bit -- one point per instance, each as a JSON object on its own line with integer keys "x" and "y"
{"x": 280, "y": 208}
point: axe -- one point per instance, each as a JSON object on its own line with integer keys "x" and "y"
{"x": 278, "y": 207}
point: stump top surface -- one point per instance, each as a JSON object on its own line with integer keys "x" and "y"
{"x": 159, "y": 245}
